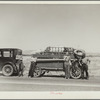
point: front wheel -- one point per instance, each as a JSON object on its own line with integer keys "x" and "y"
{"x": 75, "y": 73}
{"x": 7, "y": 70}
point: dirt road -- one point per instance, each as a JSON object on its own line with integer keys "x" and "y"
{"x": 48, "y": 83}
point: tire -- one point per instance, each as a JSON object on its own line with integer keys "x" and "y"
{"x": 37, "y": 72}
{"x": 79, "y": 53}
{"x": 7, "y": 70}
{"x": 75, "y": 72}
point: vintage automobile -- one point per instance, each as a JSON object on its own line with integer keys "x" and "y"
{"x": 54, "y": 53}
{"x": 52, "y": 59}
{"x": 9, "y": 60}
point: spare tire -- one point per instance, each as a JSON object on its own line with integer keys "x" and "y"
{"x": 79, "y": 53}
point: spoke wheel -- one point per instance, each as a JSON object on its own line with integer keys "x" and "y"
{"x": 75, "y": 71}
{"x": 37, "y": 72}
{"x": 7, "y": 70}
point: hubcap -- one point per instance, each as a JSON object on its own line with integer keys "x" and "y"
{"x": 8, "y": 70}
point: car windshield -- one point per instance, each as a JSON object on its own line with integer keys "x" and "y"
{"x": 19, "y": 55}
{"x": 19, "y": 52}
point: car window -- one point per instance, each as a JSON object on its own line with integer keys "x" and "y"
{"x": 7, "y": 53}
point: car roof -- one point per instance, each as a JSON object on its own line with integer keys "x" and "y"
{"x": 9, "y": 49}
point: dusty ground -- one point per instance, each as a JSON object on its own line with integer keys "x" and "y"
{"x": 48, "y": 83}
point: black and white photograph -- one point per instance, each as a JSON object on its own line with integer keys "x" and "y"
{"x": 49, "y": 48}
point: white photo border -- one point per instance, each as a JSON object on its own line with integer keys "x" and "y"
{"x": 48, "y": 94}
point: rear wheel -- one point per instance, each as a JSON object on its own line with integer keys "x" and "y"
{"x": 7, "y": 70}
{"x": 37, "y": 72}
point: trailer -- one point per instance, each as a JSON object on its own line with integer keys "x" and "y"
{"x": 52, "y": 59}
{"x": 45, "y": 65}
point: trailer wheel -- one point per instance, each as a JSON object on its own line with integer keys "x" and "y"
{"x": 37, "y": 72}
{"x": 7, "y": 70}
{"x": 75, "y": 73}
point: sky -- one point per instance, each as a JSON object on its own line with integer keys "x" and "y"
{"x": 37, "y": 26}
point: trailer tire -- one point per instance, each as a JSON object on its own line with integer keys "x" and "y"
{"x": 37, "y": 72}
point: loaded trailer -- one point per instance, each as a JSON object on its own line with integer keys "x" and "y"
{"x": 45, "y": 65}
{"x": 52, "y": 59}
